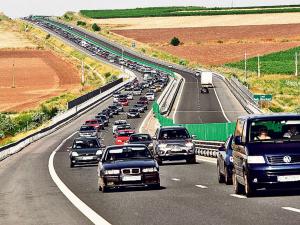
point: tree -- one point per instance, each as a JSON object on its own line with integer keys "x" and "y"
{"x": 95, "y": 27}
{"x": 175, "y": 41}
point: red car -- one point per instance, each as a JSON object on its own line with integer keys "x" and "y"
{"x": 94, "y": 123}
{"x": 123, "y": 101}
{"x": 122, "y": 136}
{"x": 144, "y": 100}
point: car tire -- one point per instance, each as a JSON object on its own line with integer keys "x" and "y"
{"x": 249, "y": 189}
{"x": 191, "y": 160}
{"x": 228, "y": 179}
{"x": 221, "y": 178}
{"x": 159, "y": 161}
{"x": 154, "y": 186}
{"x": 238, "y": 188}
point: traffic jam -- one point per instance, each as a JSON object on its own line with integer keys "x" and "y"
{"x": 262, "y": 153}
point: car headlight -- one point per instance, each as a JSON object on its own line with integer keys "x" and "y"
{"x": 150, "y": 145}
{"x": 75, "y": 154}
{"x": 111, "y": 172}
{"x": 256, "y": 160}
{"x": 99, "y": 152}
{"x": 162, "y": 146}
{"x": 149, "y": 170}
{"x": 189, "y": 145}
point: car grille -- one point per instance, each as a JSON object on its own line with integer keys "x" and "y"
{"x": 86, "y": 154}
{"x": 279, "y": 159}
{"x": 131, "y": 171}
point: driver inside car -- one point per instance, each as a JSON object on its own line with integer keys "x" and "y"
{"x": 263, "y": 135}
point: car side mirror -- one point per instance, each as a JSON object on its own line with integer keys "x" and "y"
{"x": 194, "y": 136}
{"x": 238, "y": 140}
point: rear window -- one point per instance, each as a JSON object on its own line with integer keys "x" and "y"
{"x": 85, "y": 128}
{"x": 127, "y": 153}
{"x": 174, "y": 134}
{"x": 141, "y": 137}
{"x": 86, "y": 143}
{"x": 125, "y": 133}
{"x": 91, "y": 122}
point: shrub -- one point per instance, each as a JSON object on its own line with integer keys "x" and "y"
{"x": 95, "y": 27}
{"x": 175, "y": 41}
{"x": 81, "y": 23}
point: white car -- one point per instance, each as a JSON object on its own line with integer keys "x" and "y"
{"x": 150, "y": 96}
{"x": 129, "y": 96}
{"x": 116, "y": 98}
{"x": 117, "y": 123}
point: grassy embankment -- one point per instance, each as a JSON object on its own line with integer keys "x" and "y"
{"x": 276, "y": 71}
{"x": 16, "y": 125}
{"x": 185, "y": 11}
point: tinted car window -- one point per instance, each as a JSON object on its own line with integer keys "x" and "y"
{"x": 174, "y": 134}
{"x": 84, "y": 144}
{"x": 141, "y": 137}
{"x": 270, "y": 130}
{"x": 127, "y": 154}
{"x": 84, "y": 128}
{"x": 125, "y": 133}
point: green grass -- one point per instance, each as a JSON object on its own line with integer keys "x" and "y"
{"x": 185, "y": 11}
{"x": 282, "y": 62}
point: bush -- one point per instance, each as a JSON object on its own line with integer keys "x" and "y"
{"x": 81, "y": 23}
{"x": 175, "y": 41}
{"x": 95, "y": 27}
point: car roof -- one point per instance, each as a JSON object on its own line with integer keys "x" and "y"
{"x": 271, "y": 116}
{"x": 172, "y": 128}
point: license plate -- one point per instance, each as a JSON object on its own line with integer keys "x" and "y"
{"x": 131, "y": 178}
{"x": 176, "y": 149}
{"x": 87, "y": 157}
{"x": 289, "y": 178}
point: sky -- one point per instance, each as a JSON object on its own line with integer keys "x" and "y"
{"x": 20, "y": 8}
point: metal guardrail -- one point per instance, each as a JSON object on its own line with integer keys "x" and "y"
{"x": 207, "y": 148}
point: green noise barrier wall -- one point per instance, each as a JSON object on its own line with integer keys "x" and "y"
{"x": 205, "y": 132}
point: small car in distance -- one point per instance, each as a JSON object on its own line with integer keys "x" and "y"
{"x": 133, "y": 113}
{"x": 125, "y": 166}
{"x": 122, "y": 136}
{"x": 137, "y": 91}
{"x": 85, "y": 150}
{"x": 118, "y": 123}
{"x": 139, "y": 107}
{"x": 123, "y": 101}
{"x": 94, "y": 123}
{"x": 88, "y": 131}
{"x": 150, "y": 96}
{"x": 225, "y": 162}
{"x": 144, "y": 139}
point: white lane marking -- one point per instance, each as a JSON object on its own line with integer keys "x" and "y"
{"x": 238, "y": 196}
{"x": 201, "y": 186}
{"x": 221, "y": 106}
{"x": 210, "y": 160}
{"x": 175, "y": 179}
{"x": 178, "y": 100}
{"x": 80, "y": 205}
{"x": 291, "y": 209}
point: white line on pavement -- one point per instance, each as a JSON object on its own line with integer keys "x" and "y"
{"x": 204, "y": 159}
{"x": 80, "y": 205}
{"x": 221, "y": 105}
{"x": 200, "y": 186}
{"x": 238, "y": 196}
{"x": 291, "y": 209}
{"x": 175, "y": 179}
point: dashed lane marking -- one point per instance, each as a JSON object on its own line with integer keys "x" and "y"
{"x": 291, "y": 209}
{"x": 201, "y": 186}
{"x": 238, "y": 196}
{"x": 175, "y": 179}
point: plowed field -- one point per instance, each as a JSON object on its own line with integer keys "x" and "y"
{"x": 219, "y": 45}
{"x": 38, "y": 76}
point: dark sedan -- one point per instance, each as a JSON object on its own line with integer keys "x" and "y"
{"x": 85, "y": 151}
{"x": 145, "y": 139}
{"x": 129, "y": 165}
{"x": 225, "y": 162}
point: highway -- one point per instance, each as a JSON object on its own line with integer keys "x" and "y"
{"x": 190, "y": 194}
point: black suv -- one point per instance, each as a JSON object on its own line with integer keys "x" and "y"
{"x": 266, "y": 152}
{"x": 173, "y": 143}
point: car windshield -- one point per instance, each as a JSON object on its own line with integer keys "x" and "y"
{"x": 85, "y": 143}
{"x": 86, "y": 128}
{"x": 140, "y": 137}
{"x": 174, "y": 134}
{"x": 124, "y": 127}
{"x": 272, "y": 130}
{"x": 119, "y": 122}
{"x": 91, "y": 122}
{"x": 127, "y": 153}
{"x": 132, "y": 110}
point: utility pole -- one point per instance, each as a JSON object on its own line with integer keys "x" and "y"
{"x": 296, "y": 64}
{"x": 13, "y": 75}
{"x": 258, "y": 66}
{"x": 231, "y": 3}
{"x": 245, "y": 65}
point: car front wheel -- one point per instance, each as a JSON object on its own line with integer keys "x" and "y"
{"x": 249, "y": 189}
{"x": 191, "y": 160}
{"x": 71, "y": 164}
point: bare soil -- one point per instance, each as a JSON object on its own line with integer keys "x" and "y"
{"x": 219, "y": 45}
{"x": 39, "y": 75}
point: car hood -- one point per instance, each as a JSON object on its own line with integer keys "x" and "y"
{"x": 133, "y": 163}
{"x": 269, "y": 148}
{"x": 83, "y": 151}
